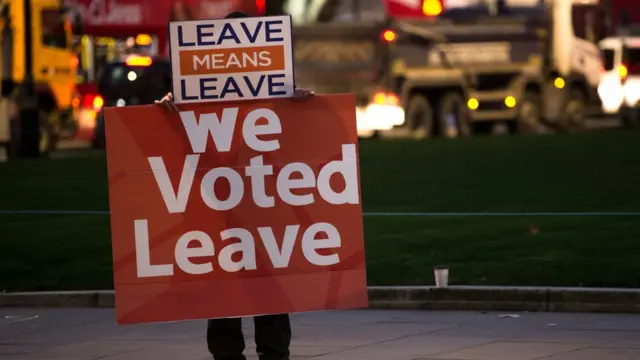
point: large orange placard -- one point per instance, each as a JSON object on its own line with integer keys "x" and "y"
{"x": 235, "y": 209}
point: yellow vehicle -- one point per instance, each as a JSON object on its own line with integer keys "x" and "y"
{"x": 53, "y": 63}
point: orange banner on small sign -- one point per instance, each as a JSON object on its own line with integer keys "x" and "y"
{"x": 232, "y": 60}
{"x": 235, "y": 209}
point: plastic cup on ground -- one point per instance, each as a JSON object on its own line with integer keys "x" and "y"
{"x": 441, "y": 274}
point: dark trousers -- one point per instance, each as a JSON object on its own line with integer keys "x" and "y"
{"x": 272, "y": 335}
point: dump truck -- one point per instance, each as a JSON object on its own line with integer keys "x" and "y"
{"x": 462, "y": 68}
{"x": 50, "y": 57}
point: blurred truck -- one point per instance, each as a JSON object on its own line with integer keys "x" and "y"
{"x": 52, "y": 60}
{"x": 619, "y": 87}
{"x": 452, "y": 68}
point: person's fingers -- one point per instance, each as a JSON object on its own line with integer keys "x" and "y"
{"x": 300, "y": 94}
{"x": 174, "y": 108}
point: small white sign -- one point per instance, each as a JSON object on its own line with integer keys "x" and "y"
{"x": 231, "y": 59}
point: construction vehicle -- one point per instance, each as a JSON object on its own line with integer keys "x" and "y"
{"x": 50, "y": 60}
{"x": 619, "y": 87}
{"x": 528, "y": 65}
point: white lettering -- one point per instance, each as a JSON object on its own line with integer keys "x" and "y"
{"x": 217, "y": 61}
{"x": 246, "y": 246}
{"x": 220, "y": 129}
{"x": 209, "y": 195}
{"x": 348, "y": 167}
{"x": 183, "y": 252}
{"x": 200, "y": 62}
{"x": 143, "y": 253}
{"x": 285, "y": 183}
{"x": 257, "y": 172}
{"x": 251, "y": 130}
{"x": 233, "y": 61}
{"x": 265, "y": 58}
{"x": 287, "y": 180}
{"x": 175, "y": 202}
{"x": 279, "y": 257}
{"x": 310, "y": 244}
{"x": 294, "y": 184}
{"x": 248, "y": 59}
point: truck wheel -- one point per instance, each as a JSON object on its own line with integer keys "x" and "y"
{"x": 453, "y": 116}
{"x": 48, "y": 141}
{"x": 419, "y": 117}
{"x": 630, "y": 118}
{"x": 575, "y": 112}
{"x": 529, "y": 120}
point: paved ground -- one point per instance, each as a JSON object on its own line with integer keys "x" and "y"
{"x": 82, "y": 334}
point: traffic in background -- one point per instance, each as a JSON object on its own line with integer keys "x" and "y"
{"x": 447, "y": 68}
{"x": 113, "y": 31}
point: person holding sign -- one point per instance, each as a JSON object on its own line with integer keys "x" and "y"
{"x": 225, "y": 339}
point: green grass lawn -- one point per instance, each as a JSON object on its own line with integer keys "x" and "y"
{"x": 594, "y": 172}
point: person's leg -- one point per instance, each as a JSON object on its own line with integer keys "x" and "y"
{"x": 225, "y": 339}
{"x": 273, "y": 336}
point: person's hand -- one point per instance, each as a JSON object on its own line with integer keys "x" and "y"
{"x": 300, "y": 94}
{"x": 167, "y": 103}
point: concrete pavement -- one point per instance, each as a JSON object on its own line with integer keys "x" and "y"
{"x": 90, "y": 333}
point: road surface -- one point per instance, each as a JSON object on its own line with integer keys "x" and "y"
{"x": 82, "y": 334}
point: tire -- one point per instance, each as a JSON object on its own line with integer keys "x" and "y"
{"x": 453, "y": 116}
{"x": 45, "y": 142}
{"x": 419, "y": 117}
{"x": 49, "y": 141}
{"x": 574, "y": 118}
{"x": 630, "y": 118}
{"x": 529, "y": 120}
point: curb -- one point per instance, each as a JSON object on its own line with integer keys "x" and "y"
{"x": 492, "y": 298}
{"x": 475, "y": 298}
